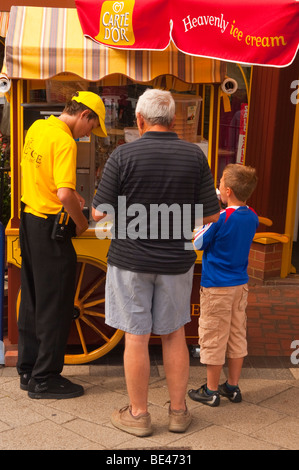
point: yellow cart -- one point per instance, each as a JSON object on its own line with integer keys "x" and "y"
{"x": 46, "y": 57}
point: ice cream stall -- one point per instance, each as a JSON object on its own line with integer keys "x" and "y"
{"x": 52, "y": 52}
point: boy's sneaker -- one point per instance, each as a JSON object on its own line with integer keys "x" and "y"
{"x": 233, "y": 395}
{"x": 55, "y": 387}
{"x": 137, "y": 425}
{"x": 179, "y": 420}
{"x": 204, "y": 397}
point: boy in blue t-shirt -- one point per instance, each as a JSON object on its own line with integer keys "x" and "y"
{"x": 223, "y": 293}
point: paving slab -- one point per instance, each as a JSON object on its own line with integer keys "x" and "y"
{"x": 267, "y": 418}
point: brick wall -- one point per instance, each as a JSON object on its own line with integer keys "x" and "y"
{"x": 273, "y": 317}
{"x": 264, "y": 261}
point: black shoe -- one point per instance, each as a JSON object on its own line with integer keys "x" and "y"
{"x": 24, "y": 379}
{"x": 55, "y": 387}
{"x": 202, "y": 396}
{"x": 233, "y": 395}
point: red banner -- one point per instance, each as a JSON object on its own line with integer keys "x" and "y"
{"x": 129, "y": 24}
{"x": 251, "y": 31}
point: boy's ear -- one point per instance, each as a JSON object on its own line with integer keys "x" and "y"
{"x": 229, "y": 192}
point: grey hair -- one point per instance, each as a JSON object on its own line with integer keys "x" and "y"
{"x": 156, "y": 107}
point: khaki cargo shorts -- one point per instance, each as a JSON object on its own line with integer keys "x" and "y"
{"x": 222, "y": 323}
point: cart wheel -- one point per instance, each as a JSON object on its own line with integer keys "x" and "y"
{"x": 95, "y": 337}
{"x": 90, "y": 338}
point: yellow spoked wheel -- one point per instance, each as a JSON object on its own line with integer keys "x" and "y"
{"x": 90, "y": 338}
{"x": 95, "y": 337}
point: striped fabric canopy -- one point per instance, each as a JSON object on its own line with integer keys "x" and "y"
{"x": 4, "y": 18}
{"x": 44, "y": 42}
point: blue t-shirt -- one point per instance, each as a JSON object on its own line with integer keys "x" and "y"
{"x": 226, "y": 245}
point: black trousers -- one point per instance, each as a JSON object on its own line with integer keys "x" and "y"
{"x": 47, "y": 298}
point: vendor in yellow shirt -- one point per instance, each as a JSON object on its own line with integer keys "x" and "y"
{"x": 49, "y": 265}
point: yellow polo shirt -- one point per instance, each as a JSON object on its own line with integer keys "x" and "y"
{"x": 48, "y": 163}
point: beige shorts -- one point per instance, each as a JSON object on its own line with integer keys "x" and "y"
{"x": 222, "y": 323}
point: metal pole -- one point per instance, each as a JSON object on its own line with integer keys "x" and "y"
{"x": 2, "y": 272}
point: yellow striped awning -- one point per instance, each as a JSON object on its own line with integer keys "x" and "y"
{"x": 44, "y": 42}
{"x": 4, "y": 18}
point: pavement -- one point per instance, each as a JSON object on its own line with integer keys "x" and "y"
{"x": 267, "y": 418}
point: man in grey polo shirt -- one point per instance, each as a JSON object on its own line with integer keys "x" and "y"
{"x": 152, "y": 186}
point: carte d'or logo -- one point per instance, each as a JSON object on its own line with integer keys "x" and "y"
{"x": 116, "y": 23}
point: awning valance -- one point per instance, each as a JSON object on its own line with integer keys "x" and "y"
{"x": 44, "y": 42}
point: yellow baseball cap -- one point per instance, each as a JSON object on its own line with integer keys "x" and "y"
{"x": 94, "y": 102}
